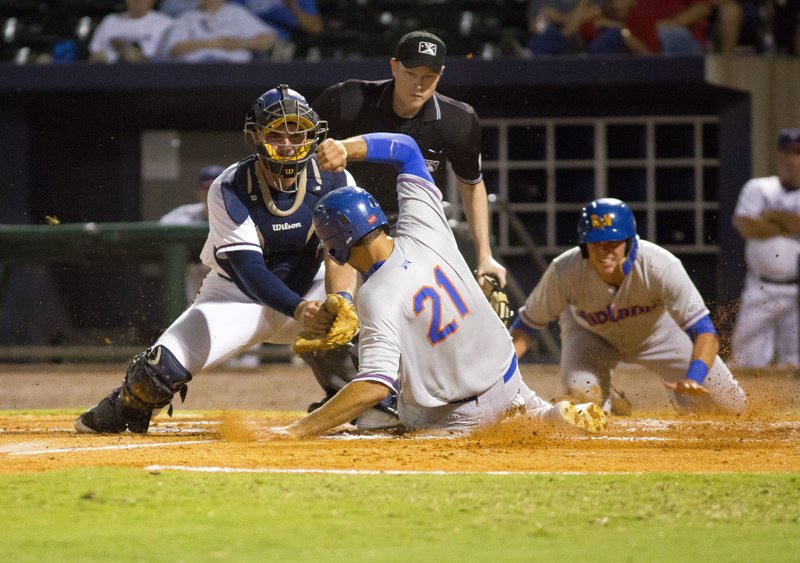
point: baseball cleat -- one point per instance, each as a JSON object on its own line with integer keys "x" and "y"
{"x": 376, "y": 419}
{"x": 104, "y": 418}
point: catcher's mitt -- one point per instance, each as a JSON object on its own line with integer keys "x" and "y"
{"x": 498, "y": 298}
{"x": 342, "y": 330}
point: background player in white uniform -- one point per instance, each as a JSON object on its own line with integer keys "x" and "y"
{"x": 266, "y": 280}
{"x": 195, "y": 214}
{"x": 619, "y": 299}
{"x": 767, "y": 216}
{"x": 427, "y": 332}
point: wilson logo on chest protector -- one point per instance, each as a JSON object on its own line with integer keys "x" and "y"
{"x": 286, "y": 226}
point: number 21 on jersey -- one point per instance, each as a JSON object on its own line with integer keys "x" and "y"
{"x": 429, "y": 296}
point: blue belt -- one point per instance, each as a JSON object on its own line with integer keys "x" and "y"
{"x": 512, "y": 367}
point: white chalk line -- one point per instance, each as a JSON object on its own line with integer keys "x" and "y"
{"x": 104, "y": 448}
{"x": 311, "y": 471}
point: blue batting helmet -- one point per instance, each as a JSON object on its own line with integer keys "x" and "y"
{"x": 604, "y": 220}
{"x": 345, "y": 216}
{"x": 608, "y": 219}
{"x": 283, "y": 110}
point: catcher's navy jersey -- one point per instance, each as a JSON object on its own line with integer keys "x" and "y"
{"x": 246, "y": 215}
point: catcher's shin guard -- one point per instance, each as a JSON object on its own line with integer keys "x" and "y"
{"x": 152, "y": 378}
{"x": 333, "y": 369}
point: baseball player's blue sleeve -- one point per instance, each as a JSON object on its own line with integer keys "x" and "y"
{"x": 519, "y": 324}
{"x": 254, "y": 279}
{"x": 399, "y": 150}
{"x": 698, "y": 370}
{"x": 703, "y": 326}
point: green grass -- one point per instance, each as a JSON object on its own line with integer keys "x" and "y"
{"x": 133, "y": 515}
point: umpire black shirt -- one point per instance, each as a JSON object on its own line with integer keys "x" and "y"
{"x": 445, "y": 130}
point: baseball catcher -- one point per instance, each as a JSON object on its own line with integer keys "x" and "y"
{"x": 267, "y": 281}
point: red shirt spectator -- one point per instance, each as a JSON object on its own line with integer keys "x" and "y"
{"x": 644, "y": 16}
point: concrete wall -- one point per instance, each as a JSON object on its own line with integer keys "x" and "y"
{"x": 774, "y": 86}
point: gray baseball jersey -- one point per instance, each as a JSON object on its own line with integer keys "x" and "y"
{"x": 641, "y": 322}
{"x": 426, "y": 327}
{"x": 656, "y": 298}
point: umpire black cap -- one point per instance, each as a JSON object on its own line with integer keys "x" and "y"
{"x": 421, "y": 48}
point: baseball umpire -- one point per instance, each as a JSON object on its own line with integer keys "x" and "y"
{"x": 445, "y": 129}
{"x": 267, "y": 280}
{"x": 621, "y": 299}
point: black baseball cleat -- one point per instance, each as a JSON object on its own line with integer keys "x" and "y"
{"x": 104, "y": 418}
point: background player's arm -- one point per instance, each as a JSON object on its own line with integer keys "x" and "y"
{"x": 749, "y": 227}
{"x": 787, "y": 221}
{"x": 353, "y": 399}
{"x": 476, "y": 210}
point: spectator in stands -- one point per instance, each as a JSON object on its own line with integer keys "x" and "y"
{"x": 218, "y": 31}
{"x": 133, "y": 36}
{"x": 669, "y": 27}
{"x": 175, "y": 8}
{"x": 728, "y": 16}
{"x": 195, "y": 214}
{"x": 784, "y": 20}
{"x": 290, "y": 18}
{"x": 553, "y": 25}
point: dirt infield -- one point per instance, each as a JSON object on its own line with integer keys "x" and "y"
{"x": 220, "y": 427}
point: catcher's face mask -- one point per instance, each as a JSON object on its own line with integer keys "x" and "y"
{"x": 284, "y": 130}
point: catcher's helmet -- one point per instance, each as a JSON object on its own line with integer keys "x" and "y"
{"x": 608, "y": 219}
{"x": 285, "y": 112}
{"x": 345, "y": 216}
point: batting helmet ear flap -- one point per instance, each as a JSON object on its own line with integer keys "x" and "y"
{"x": 631, "y": 251}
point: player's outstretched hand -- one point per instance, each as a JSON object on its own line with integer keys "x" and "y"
{"x": 313, "y": 316}
{"x": 686, "y": 386}
{"x": 331, "y": 155}
{"x": 490, "y": 266}
{"x": 277, "y": 433}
